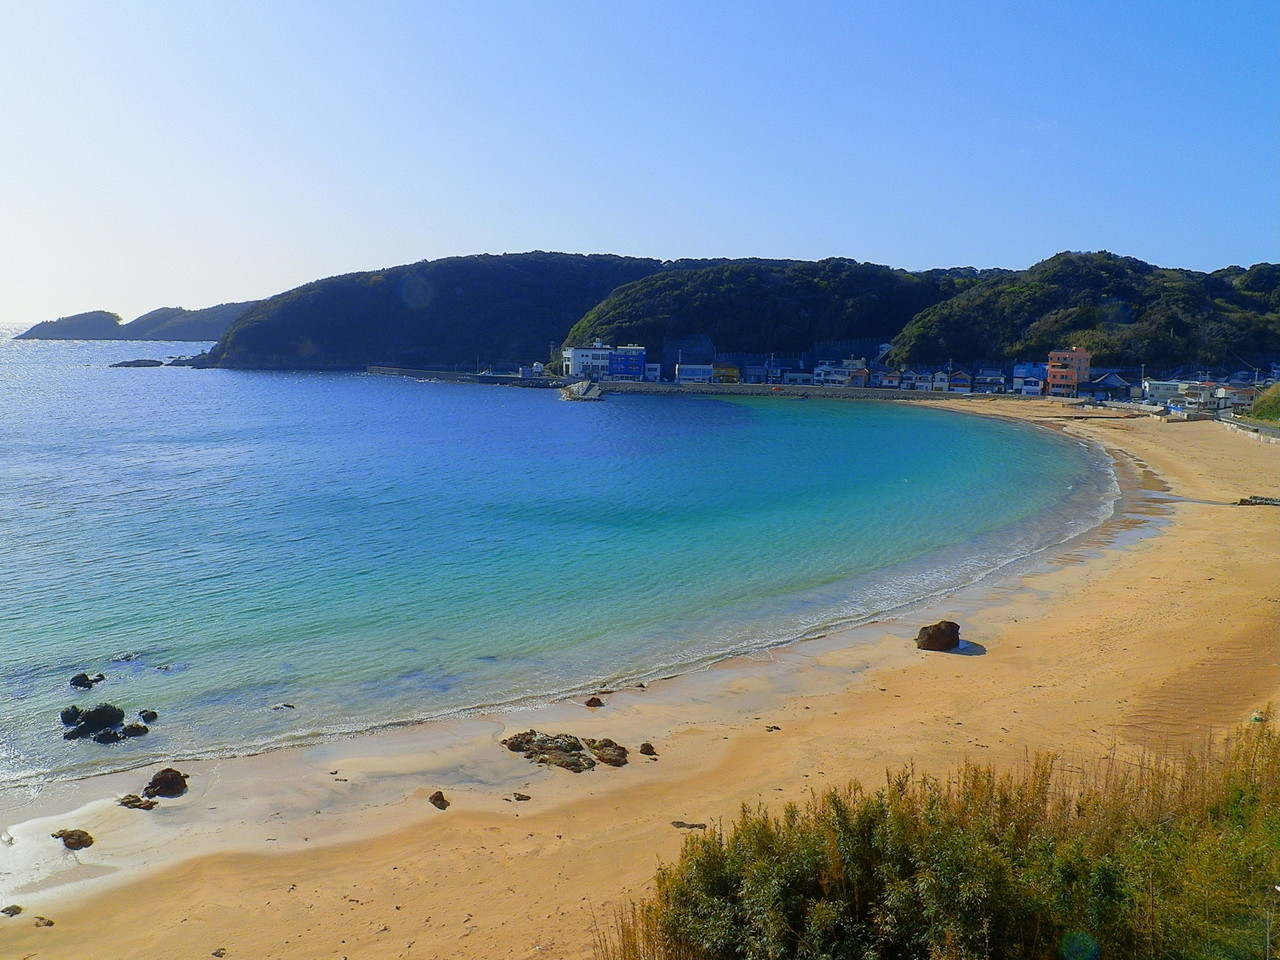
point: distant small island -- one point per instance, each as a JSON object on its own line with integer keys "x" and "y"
{"x": 166, "y": 323}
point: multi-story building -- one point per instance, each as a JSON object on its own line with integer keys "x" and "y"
{"x": 591, "y": 362}
{"x": 603, "y": 362}
{"x": 1067, "y": 370}
{"x": 627, "y": 363}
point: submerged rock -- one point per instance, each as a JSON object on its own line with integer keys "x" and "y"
{"x": 134, "y": 730}
{"x": 943, "y": 635}
{"x": 148, "y": 716}
{"x": 100, "y": 717}
{"x": 108, "y": 736}
{"x": 70, "y": 715}
{"x": 139, "y": 363}
{"x": 82, "y": 681}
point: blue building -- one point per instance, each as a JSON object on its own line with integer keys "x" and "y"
{"x": 626, "y": 363}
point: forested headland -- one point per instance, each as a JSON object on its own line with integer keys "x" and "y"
{"x": 519, "y": 308}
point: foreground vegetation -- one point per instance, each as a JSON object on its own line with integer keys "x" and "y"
{"x": 1267, "y": 406}
{"x": 1145, "y": 860}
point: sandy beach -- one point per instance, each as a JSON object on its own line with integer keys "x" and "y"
{"x": 1151, "y": 633}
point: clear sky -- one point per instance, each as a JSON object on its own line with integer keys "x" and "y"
{"x": 192, "y": 153}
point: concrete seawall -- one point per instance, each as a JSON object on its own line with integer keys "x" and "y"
{"x": 797, "y": 390}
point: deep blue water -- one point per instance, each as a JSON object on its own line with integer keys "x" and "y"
{"x": 376, "y": 550}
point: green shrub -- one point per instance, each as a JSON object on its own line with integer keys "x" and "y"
{"x": 1149, "y": 859}
{"x": 1267, "y": 406}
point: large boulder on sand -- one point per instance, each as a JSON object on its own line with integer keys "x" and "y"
{"x": 167, "y": 783}
{"x": 943, "y": 635}
{"x": 73, "y": 839}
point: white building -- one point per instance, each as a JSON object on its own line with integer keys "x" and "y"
{"x": 1162, "y": 391}
{"x": 694, "y": 372}
{"x": 591, "y": 362}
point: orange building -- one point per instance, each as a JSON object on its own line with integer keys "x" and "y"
{"x": 1067, "y": 370}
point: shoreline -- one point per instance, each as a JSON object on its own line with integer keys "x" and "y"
{"x": 714, "y": 751}
{"x": 889, "y": 592}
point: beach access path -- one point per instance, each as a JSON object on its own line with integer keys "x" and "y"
{"x": 1124, "y": 641}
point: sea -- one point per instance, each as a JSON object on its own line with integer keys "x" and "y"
{"x": 270, "y": 558}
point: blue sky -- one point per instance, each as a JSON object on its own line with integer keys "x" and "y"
{"x": 185, "y": 154}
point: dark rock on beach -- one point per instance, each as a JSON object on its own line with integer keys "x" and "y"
{"x": 73, "y": 839}
{"x": 567, "y": 751}
{"x": 607, "y": 752}
{"x": 594, "y": 702}
{"x": 943, "y": 635}
{"x": 11, "y": 911}
{"x": 135, "y": 802}
{"x": 167, "y": 783}
{"x": 646, "y": 750}
{"x": 560, "y": 750}
{"x": 438, "y": 801}
{"x": 681, "y": 825}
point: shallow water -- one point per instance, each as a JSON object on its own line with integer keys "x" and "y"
{"x": 376, "y": 550}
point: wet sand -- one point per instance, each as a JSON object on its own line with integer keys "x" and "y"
{"x": 1150, "y": 633}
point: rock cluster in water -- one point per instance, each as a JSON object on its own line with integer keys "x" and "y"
{"x": 104, "y": 723}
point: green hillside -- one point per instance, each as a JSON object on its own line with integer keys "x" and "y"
{"x": 1124, "y": 311}
{"x": 755, "y": 305}
{"x": 175, "y": 323}
{"x": 508, "y": 308}
{"x": 516, "y": 308}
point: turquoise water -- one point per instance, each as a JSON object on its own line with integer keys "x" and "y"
{"x": 376, "y": 550}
